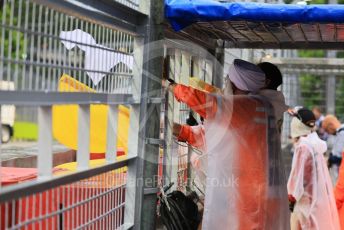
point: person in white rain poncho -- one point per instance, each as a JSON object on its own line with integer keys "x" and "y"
{"x": 309, "y": 186}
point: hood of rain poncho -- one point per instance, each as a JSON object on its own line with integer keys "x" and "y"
{"x": 313, "y": 141}
{"x": 298, "y": 129}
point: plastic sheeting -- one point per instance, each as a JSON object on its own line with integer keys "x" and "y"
{"x": 246, "y": 184}
{"x": 199, "y": 160}
{"x": 98, "y": 59}
{"x": 182, "y": 13}
{"x": 310, "y": 184}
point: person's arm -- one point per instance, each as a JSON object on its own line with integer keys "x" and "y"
{"x": 339, "y": 189}
{"x": 193, "y": 135}
{"x": 201, "y": 102}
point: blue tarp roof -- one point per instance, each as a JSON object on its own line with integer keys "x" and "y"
{"x": 182, "y": 13}
{"x": 256, "y": 25}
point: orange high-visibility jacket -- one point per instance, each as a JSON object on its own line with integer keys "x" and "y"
{"x": 339, "y": 195}
{"x": 193, "y": 135}
{"x": 246, "y": 205}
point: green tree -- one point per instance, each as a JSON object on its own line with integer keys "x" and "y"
{"x": 339, "y": 97}
{"x": 312, "y": 90}
{"x": 312, "y": 53}
{"x": 312, "y": 86}
{"x": 14, "y": 39}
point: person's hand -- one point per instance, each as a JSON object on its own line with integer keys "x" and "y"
{"x": 164, "y": 83}
{"x": 169, "y": 84}
{"x": 291, "y": 206}
{"x": 291, "y": 111}
{"x": 176, "y": 129}
{"x": 292, "y": 202}
{"x": 170, "y": 87}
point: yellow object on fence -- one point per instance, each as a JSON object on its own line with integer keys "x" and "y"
{"x": 65, "y": 120}
{"x": 197, "y": 83}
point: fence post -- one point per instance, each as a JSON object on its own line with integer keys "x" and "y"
{"x": 152, "y": 87}
{"x": 168, "y": 122}
{"x": 134, "y": 187}
{"x": 330, "y": 88}
{"x": 111, "y": 141}
{"x": 175, "y": 109}
{"x": 45, "y": 153}
{"x": 83, "y": 153}
{"x": 331, "y": 94}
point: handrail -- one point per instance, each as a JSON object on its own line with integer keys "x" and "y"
{"x": 42, "y": 184}
{"x": 48, "y": 98}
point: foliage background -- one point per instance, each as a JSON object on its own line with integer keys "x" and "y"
{"x": 313, "y": 87}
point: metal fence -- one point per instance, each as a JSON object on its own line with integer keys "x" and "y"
{"x": 339, "y": 97}
{"x": 94, "y": 202}
{"x": 39, "y": 45}
{"x": 182, "y": 64}
{"x": 135, "y": 4}
{"x": 45, "y": 54}
{"x": 313, "y": 90}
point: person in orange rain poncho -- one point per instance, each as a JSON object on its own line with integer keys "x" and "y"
{"x": 194, "y": 135}
{"x": 339, "y": 195}
{"x": 332, "y": 126}
{"x": 309, "y": 186}
{"x": 245, "y": 187}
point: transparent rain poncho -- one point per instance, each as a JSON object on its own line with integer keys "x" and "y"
{"x": 310, "y": 184}
{"x": 339, "y": 195}
{"x": 198, "y": 159}
{"x": 195, "y": 136}
{"x": 245, "y": 182}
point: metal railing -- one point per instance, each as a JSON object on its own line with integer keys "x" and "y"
{"x": 94, "y": 199}
{"x": 45, "y": 55}
{"x": 177, "y": 167}
{"x": 40, "y": 44}
{"x": 135, "y": 4}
